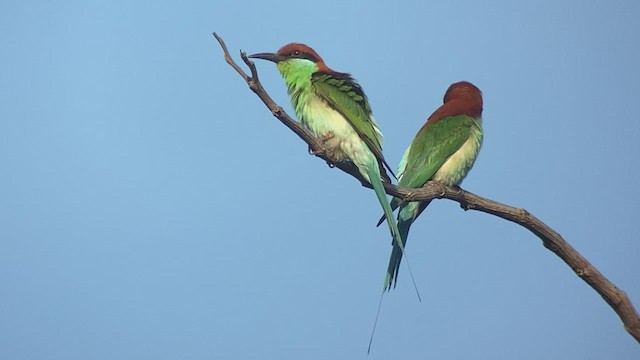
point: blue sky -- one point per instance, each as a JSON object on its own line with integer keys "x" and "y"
{"x": 151, "y": 206}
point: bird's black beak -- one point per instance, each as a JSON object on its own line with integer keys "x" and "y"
{"x": 268, "y": 56}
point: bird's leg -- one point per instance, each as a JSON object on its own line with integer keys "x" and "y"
{"x": 326, "y": 137}
{"x": 323, "y": 139}
{"x": 328, "y": 147}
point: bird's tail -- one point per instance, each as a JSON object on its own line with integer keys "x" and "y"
{"x": 408, "y": 213}
{"x": 396, "y": 255}
{"x": 373, "y": 171}
{"x": 398, "y": 243}
{"x": 403, "y": 225}
{"x": 405, "y": 219}
{"x": 395, "y": 202}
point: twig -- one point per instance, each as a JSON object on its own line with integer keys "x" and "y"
{"x": 615, "y": 297}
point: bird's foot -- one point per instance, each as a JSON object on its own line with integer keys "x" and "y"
{"x": 314, "y": 152}
{"x": 330, "y": 142}
{"x": 323, "y": 140}
{"x": 326, "y": 137}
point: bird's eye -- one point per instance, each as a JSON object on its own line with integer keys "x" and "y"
{"x": 296, "y": 53}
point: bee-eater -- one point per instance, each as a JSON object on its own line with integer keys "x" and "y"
{"x": 333, "y": 106}
{"x": 443, "y": 150}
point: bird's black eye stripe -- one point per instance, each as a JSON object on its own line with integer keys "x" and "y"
{"x": 303, "y": 55}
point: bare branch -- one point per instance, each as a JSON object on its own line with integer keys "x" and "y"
{"x": 615, "y": 297}
{"x": 553, "y": 241}
{"x": 229, "y": 59}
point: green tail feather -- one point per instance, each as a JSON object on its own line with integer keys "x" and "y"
{"x": 407, "y": 214}
{"x": 374, "y": 177}
{"x": 394, "y": 265}
{"x": 395, "y": 202}
{"x": 398, "y": 243}
{"x": 405, "y": 219}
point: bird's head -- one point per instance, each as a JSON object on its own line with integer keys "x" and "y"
{"x": 295, "y": 57}
{"x": 461, "y": 98}
{"x": 464, "y": 91}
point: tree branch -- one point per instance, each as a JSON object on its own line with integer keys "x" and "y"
{"x": 615, "y": 297}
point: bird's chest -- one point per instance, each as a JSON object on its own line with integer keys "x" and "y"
{"x": 455, "y": 169}
{"x": 330, "y": 127}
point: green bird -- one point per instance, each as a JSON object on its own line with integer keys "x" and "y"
{"x": 333, "y": 106}
{"x": 443, "y": 150}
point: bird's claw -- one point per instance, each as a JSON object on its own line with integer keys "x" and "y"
{"x": 326, "y": 137}
{"x": 323, "y": 139}
{"x": 318, "y": 153}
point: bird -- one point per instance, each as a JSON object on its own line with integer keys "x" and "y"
{"x": 334, "y": 107}
{"x": 444, "y": 150}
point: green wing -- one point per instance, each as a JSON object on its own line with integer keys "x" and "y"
{"x": 345, "y": 96}
{"x": 432, "y": 146}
